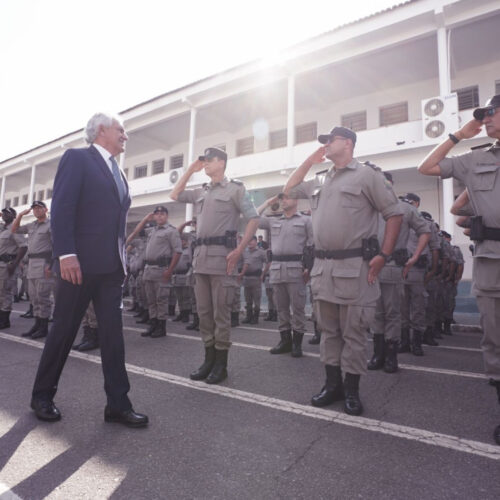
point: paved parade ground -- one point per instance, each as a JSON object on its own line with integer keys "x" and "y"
{"x": 426, "y": 431}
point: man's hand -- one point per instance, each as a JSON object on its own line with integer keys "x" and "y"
{"x": 11, "y": 267}
{"x": 262, "y": 277}
{"x": 196, "y": 166}
{"x": 167, "y": 275}
{"x": 306, "y": 275}
{"x": 409, "y": 264}
{"x": 47, "y": 272}
{"x": 25, "y": 212}
{"x": 232, "y": 259}
{"x": 469, "y": 130}
{"x": 70, "y": 270}
{"x": 376, "y": 265}
{"x": 428, "y": 276}
{"x": 317, "y": 157}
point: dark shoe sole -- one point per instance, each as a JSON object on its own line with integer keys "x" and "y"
{"x": 117, "y": 420}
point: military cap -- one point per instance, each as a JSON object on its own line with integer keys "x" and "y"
{"x": 38, "y": 203}
{"x": 210, "y": 153}
{"x": 9, "y": 211}
{"x": 347, "y": 133}
{"x": 160, "y": 208}
{"x": 426, "y": 215}
{"x": 488, "y": 108}
{"x": 412, "y": 197}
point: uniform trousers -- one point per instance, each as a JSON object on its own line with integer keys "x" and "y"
{"x": 40, "y": 290}
{"x": 413, "y": 305}
{"x": 141, "y": 292}
{"x": 432, "y": 313}
{"x": 183, "y": 294}
{"x": 214, "y": 298}
{"x": 449, "y": 292}
{"x": 388, "y": 311}
{"x": 270, "y": 297}
{"x": 253, "y": 292}
{"x": 157, "y": 295}
{"x": 6, "y": 288}
{"x": 236, "y": 305}
{"x": 291, "y": 296}
{"x": 343, "y": 335}
{"x": 89, "y": 318}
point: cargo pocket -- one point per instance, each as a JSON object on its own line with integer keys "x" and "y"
{"x": 346, "y": 281}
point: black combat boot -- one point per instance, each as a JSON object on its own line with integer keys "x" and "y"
{"x": 34, "y": 328}
{"x": 248, "y": 317}
{"x": 285, "y": 344}
{"x": 333, "y": 389}
{"x": 85, "y": 337}
{"x": 391, "y": 356}
{"x": 140, "y": 312}
{"x": 235, "y": 319}
{"x": 160, "y": 330}
{"x": 185, "y": 315}
{"x": 219, "y": 370}
{"x": 269, "y": 316}
{"x": 447, "y": 327}
{"x": 352, "y": 403}
{"x": 438, "y": 330}
{"x": 297, "y": 344}
{"x": 255, "y": 317}
{"x": 378, "y": 358}
{"x": 92, "y": 341}
{"x": 404, "y": 344}
{"x": 178, "y": 317}
{"x": 28, "y": 313}
{"x": 152, "y": 327}
{"x": 275, "y": 315}
{"x": 195, "y": 325}
{"x": 171, "y": 310}
{"x": 144, "y": 318}
{"x": 316, "y": 338}
{"x": 429, "y": 337}
{"x": 43, "y": 329}
{"x": 202, "y": 372}
{"x": 4, "y": 319}
{"x": 416, "y": 343}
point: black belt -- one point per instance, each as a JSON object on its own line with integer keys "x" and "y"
{"x": 181, "y": 272}
{"x": 491, "y": 233}
{"x": 253, "y": 273}
{"x": 215, "y": 240}
{"x": 161, "y": 262}
{"x": 287, "y": 258}
{"x": 338, "y": 254}
{"x": 40, "y": 255}
{"x": 8, "y": 257}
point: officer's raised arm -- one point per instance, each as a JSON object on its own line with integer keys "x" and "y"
{"x": 196, "y": 166}
{"x": 299, "y": 174}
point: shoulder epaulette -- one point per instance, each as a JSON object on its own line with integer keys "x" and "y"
{"x": 372, "y": 165}
{"x": 236, "y": 181}
{"x": 321, "y": 172}
{"x": 481, "y": 146}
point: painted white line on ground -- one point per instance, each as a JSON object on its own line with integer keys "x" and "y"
{"x": 6, "y": 494}
{"x": 400, "y": 431}
{"x": 441, "y": 371}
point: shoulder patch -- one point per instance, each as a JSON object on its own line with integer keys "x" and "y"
{"x": 236, "y": 181}
{"x": 481, "y": 146}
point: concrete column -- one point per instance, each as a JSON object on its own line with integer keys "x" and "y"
{"x": 290, "y": 120}
{"x": 190, "y": 159}
{"x": 448, "y": 222}
{"x": 2, "y": 192}
{"x": 31, "y": 194}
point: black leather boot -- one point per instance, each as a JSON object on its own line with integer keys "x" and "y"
{"x": 248, "y": 317}
{"x": 333, "y": 389}
{"x": 144, "y": 318}
{"x": 416, "y": 343}
{"x": 285, "y": 344}
{"x": 140, "y": 312}
{"x": 171, "y": 310}
{"x": 28, "y": 313}
{"x": 84, "y": 339}
{"x": 428, "y": 337}
{"x": 404, "y": 344}
{"x": 255, "y": 316}
{"x": 179, "y": 317}
{"x": 352, "y": 403}
{"x": 275, "y": 315}
{"x": 297, "y": 344}
{"x": 195, "y": 325}
{"x": 202, "y": 372}
{"x": 378, "y": 358}
{"x": 4, "y": 319}
{"x": 235, "y": 319}
{"x": 160, "y": 330}
{"x": 43, "y": 329}
{"x": 219, "y": 370}
{"x": 269, "y": 316}
{"x": 92, "y": 341}
{"x": 34, "y": 328}
{"x": 447, "y": 327}
{"x": 391, "y": 356}
{"x": 152, "y": 327}
{"x": 185, "y": 315}
{"x": 316, "y": 338}
{"x": 438, "y": 330}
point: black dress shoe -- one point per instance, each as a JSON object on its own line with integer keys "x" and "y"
{"x": 45, "y": 410}
{"x": 128, "y": 417}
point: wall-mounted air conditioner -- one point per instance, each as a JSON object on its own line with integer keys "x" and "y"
{"x": 439, "y": 117}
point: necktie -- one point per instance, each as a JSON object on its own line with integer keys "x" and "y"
{"x": 118, "y": 178}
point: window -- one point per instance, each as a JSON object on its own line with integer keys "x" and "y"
{"x": 393, "y": 113}
{"x": 306, "y": 133}
{"x": 468, "y": 97}
{"x": 497, "y": 87}
{"x": 221, "y": 146}
{"x": 355, "y": 121}
{"x": 15, "y": 202}
{"x": 7, "y": 203}
{"x": 25, "y": 199}
{"x": 49, "y": 193}
{"x": 41, "y": 195}
{"x": 176, "y": 161}
{"x": 158, "y": 167}
{"x": 278, "y": 139}
{"x": 140, "y": 171}
{"x": 244, "y": 146}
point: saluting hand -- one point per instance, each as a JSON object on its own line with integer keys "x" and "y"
{"x": 317, "y": 157}
{"x": 196, "y": 166}
{"x": 470, "y": 129}
{"x": 376, "y": 265}
{"x": 70, "y": 270}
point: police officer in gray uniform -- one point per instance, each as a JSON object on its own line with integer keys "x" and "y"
{"x": 478, "y": 170}
{"x": 180, "y": 280}
{"x": 387, "y": 326}
{"x": 163, "y": 251}
{"x": 254, "y": 261}
{"x": 40, "y": 280}
{"x": 217, "y": 206}
{"x": 345, "y": 203}
{"x": 12, "y": 250}
{"x": 292, "y": 259}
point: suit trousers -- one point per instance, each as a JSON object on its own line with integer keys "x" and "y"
{"x": 105, "y": 291}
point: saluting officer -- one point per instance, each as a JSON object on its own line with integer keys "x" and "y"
{"x": 12, "y": 250}
{"x": 345, "y": 203}
{"x": 39, "y": 274}
{"x": 218, "y": 206}
{"x": 163, "y": 251}
{"x": 478, "y": 171}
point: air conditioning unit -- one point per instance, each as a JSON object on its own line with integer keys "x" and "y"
{"x": 439, "y": 117}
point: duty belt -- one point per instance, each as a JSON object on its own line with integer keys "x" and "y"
{"x": 253, "y": 273}
{"x": 161, "y": 262}
{"x": 491, "y": 233}
{"x": 40, "y": 255}
{"x": 338, "y": 254}
{"x": 215, "y": 240}
{"x": 7, "y": 257}
{"x": 287, "y": 258}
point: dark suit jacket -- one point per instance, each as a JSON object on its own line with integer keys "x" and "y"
{"x": 87, "y": 218}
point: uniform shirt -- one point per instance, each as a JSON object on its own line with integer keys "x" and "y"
{"x": 163, "y": 241}
{"x": 459, "y": 256}
{"x": 289, "y": 236}
{"x": 345, "y": 206}
{"x": 138, "y": 254}
{"x": 184, "y": 262}
{"x": 217, "y": 207}
{"x": 10, "y": 242}
{"x": 478, "y": 171}
{"x": 39, "y": 240}
{"x": 255, "y": 259}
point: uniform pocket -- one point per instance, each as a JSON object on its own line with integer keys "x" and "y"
{"x": 351, "y": 196}
{"x": 275, "y": 229}
{"x": 221, "y": 203}
{"x": 484, "y": 177}
{"x": 346, "y": 278}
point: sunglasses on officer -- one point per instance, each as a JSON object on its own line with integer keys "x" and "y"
{"x": 330, "y": 140}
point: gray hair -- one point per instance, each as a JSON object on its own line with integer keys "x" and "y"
{"x": 99, "y": 119}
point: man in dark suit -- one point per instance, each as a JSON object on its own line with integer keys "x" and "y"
{"x": 89, "y": 209}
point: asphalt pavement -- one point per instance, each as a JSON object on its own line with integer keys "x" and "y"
{"x": 426, "y": 431}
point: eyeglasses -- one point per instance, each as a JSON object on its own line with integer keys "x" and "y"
{"x": 333, "y": 139}
{"x": 490, "y": 111}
